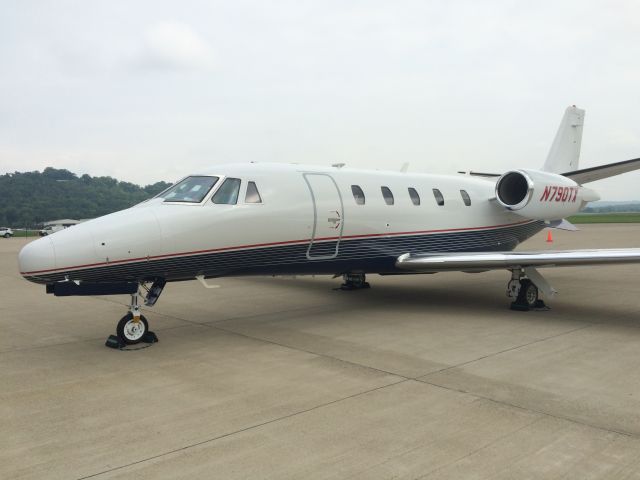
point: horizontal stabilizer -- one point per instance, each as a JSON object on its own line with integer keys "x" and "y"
{"x": 510, "y": 260}
{"x": 481, "y": 174}
{"x": 592, "y": 174}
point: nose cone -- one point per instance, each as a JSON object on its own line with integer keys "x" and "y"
{"x": 37, "y": 257}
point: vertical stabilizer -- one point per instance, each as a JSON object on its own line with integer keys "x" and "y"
{"x": 565, "y": 150}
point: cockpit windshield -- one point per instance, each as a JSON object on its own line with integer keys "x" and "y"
{"x": 190, "y": 190}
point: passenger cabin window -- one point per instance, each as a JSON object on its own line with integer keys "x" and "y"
{"x": 227, "y": 194}
{"x": 189, "y": 190}
{"x": 465, "y": 198}
{"x": 252, "y": 195}
{"x": 439, "y": 197}
{"x": 415, "y": 198}
{"x": 358, "y": 194}
{"x": 388, "y": 196}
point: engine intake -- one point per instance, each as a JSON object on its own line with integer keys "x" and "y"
{"x": 514, "y": 189}
{"x": 540, "y": 195}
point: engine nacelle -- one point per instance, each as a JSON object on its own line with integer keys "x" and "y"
{"x": 541, "y": 195}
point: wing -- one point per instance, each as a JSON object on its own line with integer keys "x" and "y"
{"x": 477, "y": 262}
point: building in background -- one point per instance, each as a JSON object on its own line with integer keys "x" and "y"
{"x": 53, "y": 226}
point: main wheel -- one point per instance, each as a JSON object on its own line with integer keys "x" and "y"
{"x": 528, "y": 294}
{"x": 132, "y": 332}
{"x": 6, "y": 235}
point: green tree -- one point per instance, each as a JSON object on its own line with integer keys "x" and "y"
{"x": 29, "y": 198}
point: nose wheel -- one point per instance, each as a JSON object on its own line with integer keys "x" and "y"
{"x": 133, "y": 328}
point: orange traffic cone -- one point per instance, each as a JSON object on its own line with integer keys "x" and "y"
{"x": 549, "y": 237}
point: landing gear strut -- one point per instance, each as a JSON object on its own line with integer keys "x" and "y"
{"x": 525, "y": 292}
{"x": 133, "y": 328}
{"x": 354, "y": 281}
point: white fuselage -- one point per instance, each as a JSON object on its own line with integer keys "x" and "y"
{"x": 308, "y": 222}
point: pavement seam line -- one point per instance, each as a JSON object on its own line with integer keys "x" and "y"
{"x": 187, "y": 323}
{"x": 531, "y": 410}
{"x": 510, "y": 349}
{"x": 83, "y": 340}
{"x": 245, "y": 429}
{"x": 479, "y": 449}
{"x": 322, "y": 355}
{"x": 422, "y": 378}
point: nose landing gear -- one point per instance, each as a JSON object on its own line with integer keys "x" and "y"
{"x": 133, "y": 328}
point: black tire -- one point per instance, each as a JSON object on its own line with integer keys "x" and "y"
{"x": 6, "y": 235}
{"x": 528, "y": 294}
{"x": 125, "y": 329}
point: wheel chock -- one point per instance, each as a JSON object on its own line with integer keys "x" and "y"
{"x": 114, "y": 342}
{"x": 522, "y": 307}
{"x": 149, "y": 337}
{"x": 540, "y": 305}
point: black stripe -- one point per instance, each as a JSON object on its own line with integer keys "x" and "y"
{"x": 373, "y": 254}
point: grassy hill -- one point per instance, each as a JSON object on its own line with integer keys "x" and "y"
{"x": 30, "y": 198}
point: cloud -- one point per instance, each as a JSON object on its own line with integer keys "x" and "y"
{"x": 173, "y": 46}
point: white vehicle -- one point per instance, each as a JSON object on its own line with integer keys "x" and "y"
{"x": 6, "y": 232}
{"x": 282, "y": 219}
{"x": 50, "y": 229}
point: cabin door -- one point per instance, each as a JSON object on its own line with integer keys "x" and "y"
{"x": 328, "y": 216}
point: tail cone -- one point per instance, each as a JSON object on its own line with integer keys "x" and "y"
{"x": 549, "y": 237}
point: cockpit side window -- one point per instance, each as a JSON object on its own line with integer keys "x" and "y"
{"x": 252, "y": 195}
{"x": 227, "y": 194}
{"x": 189, "y": 190}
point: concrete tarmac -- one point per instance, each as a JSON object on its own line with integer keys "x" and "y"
{"x": 426, "y": 376}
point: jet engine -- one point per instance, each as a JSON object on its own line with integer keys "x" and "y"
{"x": 541, "y": 195}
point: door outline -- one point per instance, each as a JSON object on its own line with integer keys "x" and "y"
{"x": 315, "y": 217}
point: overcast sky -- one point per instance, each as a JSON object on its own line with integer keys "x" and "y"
{"x": 153, "y": 90}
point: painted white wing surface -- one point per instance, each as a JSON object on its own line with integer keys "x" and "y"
{"x": 483, "y": 261}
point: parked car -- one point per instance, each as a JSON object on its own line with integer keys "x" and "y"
{"x": 6, "y": 232}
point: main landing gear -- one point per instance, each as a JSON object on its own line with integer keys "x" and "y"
{"x": 525, "y": 286}
{"x": 354, "y": 281}
{"x": 133, "y": 328}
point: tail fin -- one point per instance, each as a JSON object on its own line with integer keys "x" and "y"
{"x": 565, "y": 150}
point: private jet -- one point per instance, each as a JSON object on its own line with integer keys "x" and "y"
{"x": 291, "y": 219}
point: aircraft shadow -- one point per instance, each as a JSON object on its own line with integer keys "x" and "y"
{"x": 447, "y": 297}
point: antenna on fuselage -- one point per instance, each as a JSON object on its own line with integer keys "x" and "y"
{"x": 338, "y": 165}
{"x": 404, "y": 167}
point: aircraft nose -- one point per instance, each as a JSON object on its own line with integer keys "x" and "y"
{"x": 37, "y": 256}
